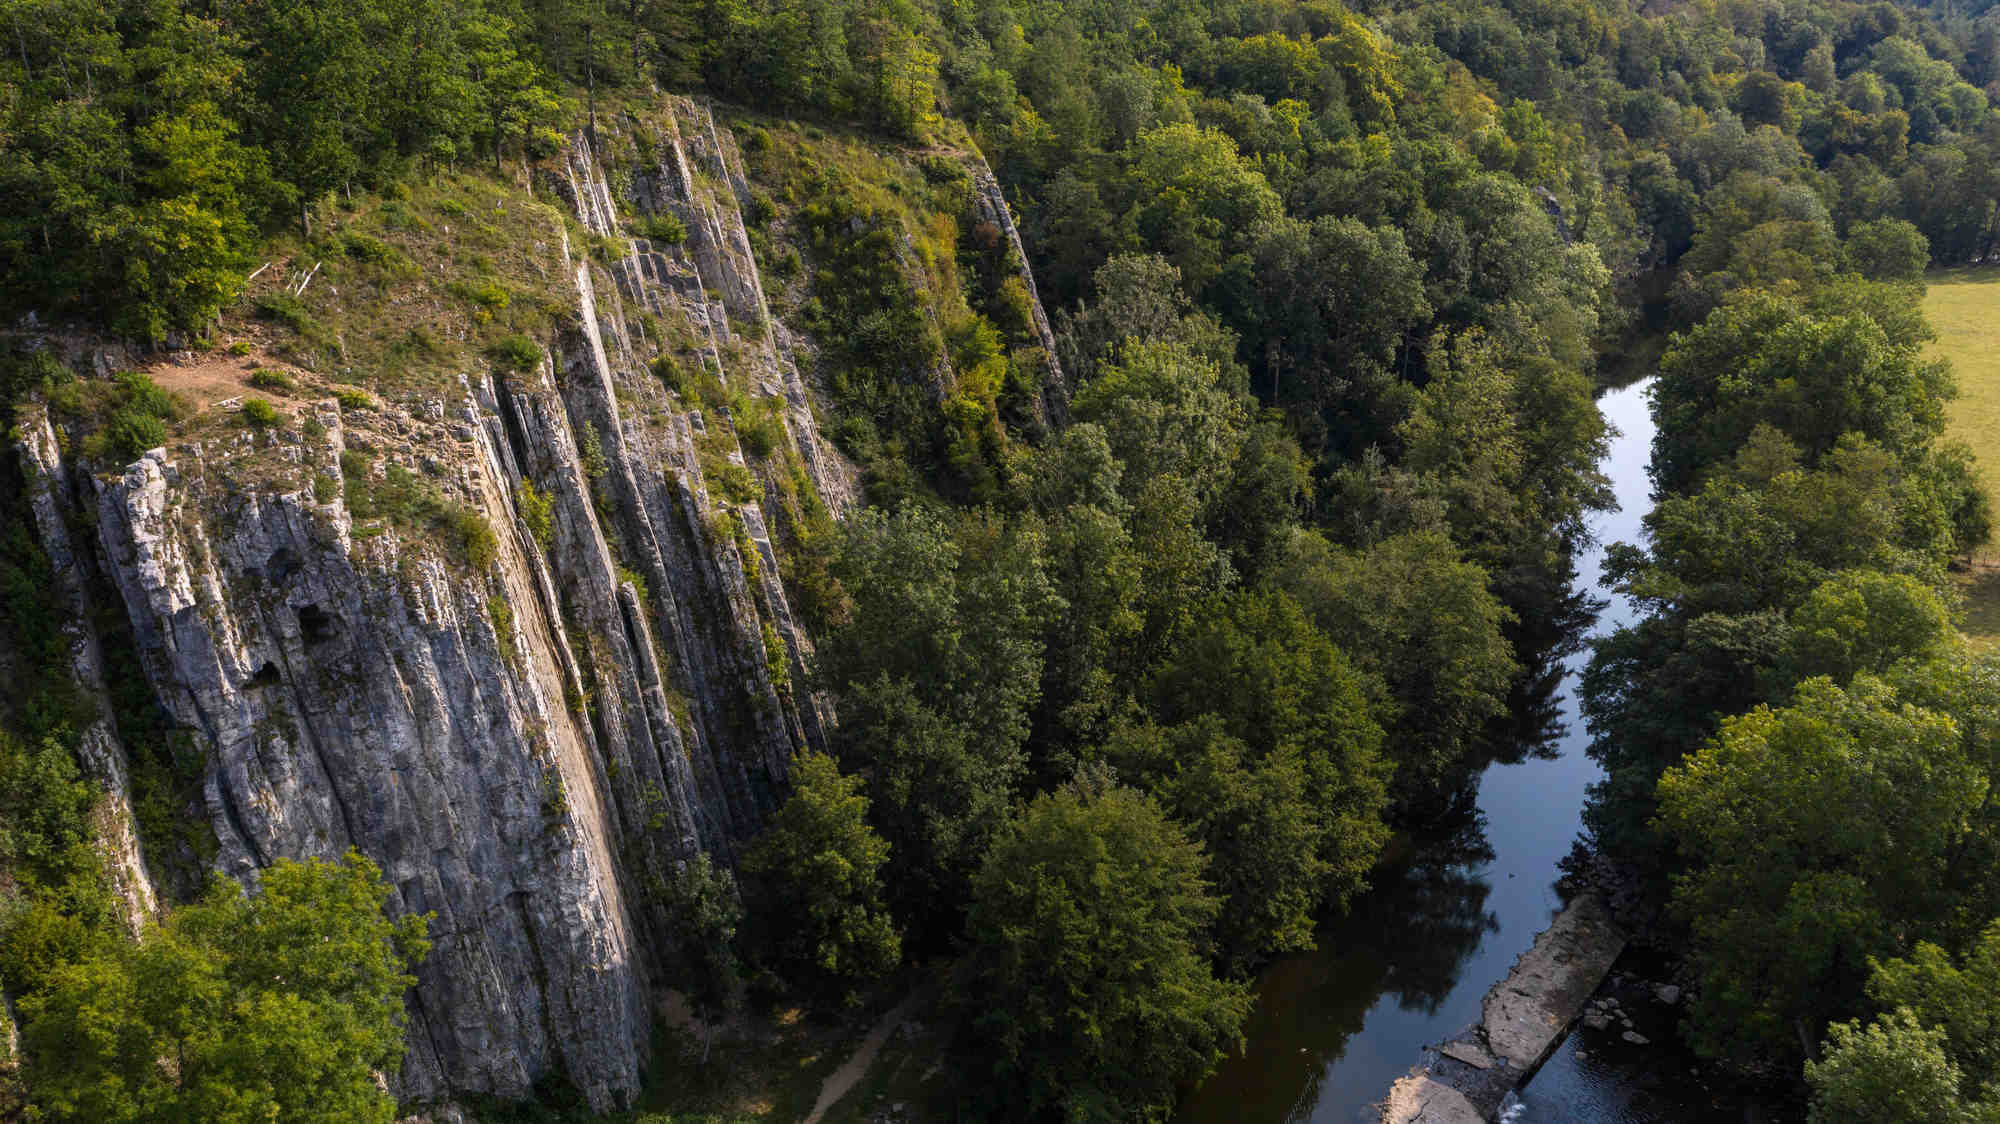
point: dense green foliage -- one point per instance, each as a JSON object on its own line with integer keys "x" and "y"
{"x": 1794, "y": 735}
{"x": 1330, "y": 287}
{"x": 817, "y": 868}
{"x": 148, "y": 144}
{"x": 281, "y": 1006}
{"x": 1085, "y": 979}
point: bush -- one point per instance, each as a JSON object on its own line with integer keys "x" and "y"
{"x": 736, "y": 483}
{"x": 545, "y": 142}
{"x": 145, "y": 395}
{"x": 663, "y": 227}
{"x": 240, "y": 347}
{"x": 259, "y": 413}
{"x": 673, "y": 375}
{"x": 272, "y": 380}
{"x": 372, "y": 250}
{"x": 535, "y": 512}
{"x": 473, "y": 535}
{"x": 488, "y": 295}
{"x": 353, "y": 398}
{"x": 501, "y": 615}
{"x": 758, "y": 427}
{"x": 131, "y": 433}
{"x": 516, "y": 353}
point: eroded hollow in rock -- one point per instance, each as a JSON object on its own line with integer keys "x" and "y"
{"x": 267, "y": 676}
{"x": 316, "y": 624}
{"x": 281, "y": 566}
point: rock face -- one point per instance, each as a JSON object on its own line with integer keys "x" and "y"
{"x": 103, "y": 755}
{"x": 530, "y": 740}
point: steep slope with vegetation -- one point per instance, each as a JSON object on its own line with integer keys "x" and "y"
{"x": 577, "y": 498}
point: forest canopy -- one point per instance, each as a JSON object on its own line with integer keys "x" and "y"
{"x": 1161, "y": 668}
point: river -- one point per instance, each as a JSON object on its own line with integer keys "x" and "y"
{"x": 1450, "y": 912}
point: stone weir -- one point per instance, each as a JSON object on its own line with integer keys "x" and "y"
{"x": 1523, "y": 1018}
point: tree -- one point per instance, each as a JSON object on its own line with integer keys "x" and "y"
{"x": 938, "y": 793}
{"x": 1888, "y": 250}
{"x": 705, "y": 909}
{"x": 1817, "y": 832}
{"x": 1275, "y": 682}
{"x": 1255, "y": 819}
{"x": 1336, "y": 300}
{"x": 314, "y": 78}
{"x": 1196, "y": 200}
{"x": 816, "y": 869}
{"x": 955, "y": 608}
{"x": 1866, "y": 621}
{"x": 278, "y": 1007}
{"x": 1138, "y": 296}
{"x": 1085, "y": 979}
{"x": 1165, "y": 412}
{"x": 1892, "y": 1071}
{"x": 1815, "y": 370}
{"x": 1959, "y": 999}
{"x": 1420, "y": 617}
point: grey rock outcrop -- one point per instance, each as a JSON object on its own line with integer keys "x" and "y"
{"x": 533, "y": 740}
{"x": 103, "y": 754}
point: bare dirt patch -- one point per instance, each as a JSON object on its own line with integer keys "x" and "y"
{"x": 205, "y": 378}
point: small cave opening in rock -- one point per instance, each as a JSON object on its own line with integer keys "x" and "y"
{"x": 316, "y": 624}
{"x": 281, "y": 566}
{"x": 267, "y": 676}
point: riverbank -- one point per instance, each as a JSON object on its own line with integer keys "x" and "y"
{"x": 1412, "y": 963}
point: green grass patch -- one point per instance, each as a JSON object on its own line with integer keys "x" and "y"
{"x": 1964, "y": 306}
{"x": 412, "y": 291}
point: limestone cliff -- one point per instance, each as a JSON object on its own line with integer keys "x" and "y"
{"x": 529, "y": 730}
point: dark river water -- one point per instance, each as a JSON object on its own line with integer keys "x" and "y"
{"x": 1450, "y": 912}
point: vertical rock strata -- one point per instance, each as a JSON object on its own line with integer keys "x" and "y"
{"x": 529, "y": 746}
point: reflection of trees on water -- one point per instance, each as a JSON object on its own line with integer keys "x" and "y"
{"x": 1433, "y": 917}
{"x": 1411, "y": 936}
{"x": 1408, "y": 938}
{"x": 1533, "y": 725}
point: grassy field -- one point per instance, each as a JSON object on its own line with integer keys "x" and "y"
{"x": 1964, "y": 306}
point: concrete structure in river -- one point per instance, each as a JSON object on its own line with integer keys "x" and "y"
{"x": 1523, "y": 1019}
